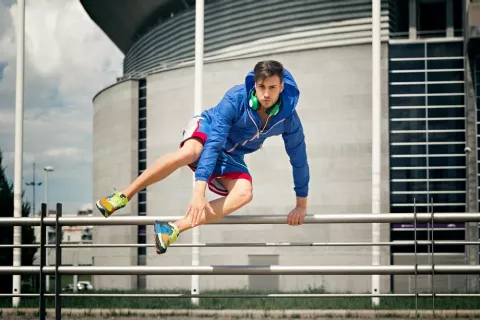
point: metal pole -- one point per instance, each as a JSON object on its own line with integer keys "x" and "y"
{"x": 266, "y": 295}
{"x": 48, "y": 230}
{"x": 433, "y": 265}
{"x": 446, "y": 217}
{"x": 199, "y": 25}
{"x": 416, "y": 257}
{"x": 247, "y": 270}
{"x": 376, "y": 140}
{"x": 17, "y": 192}
{"x": 58, "y": 262}
{"x": 34, "y": 184}
{"x": 42, "y": 262}
{"x": 47, "y": 170}
{"x": 46, "y": 188}
{"x": 255, "y": 244}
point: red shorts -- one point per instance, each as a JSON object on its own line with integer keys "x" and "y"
{"x": 227, "y": 166}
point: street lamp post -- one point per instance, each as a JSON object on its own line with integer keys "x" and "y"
{"x": 47, "y": 170}
{"x": 34, "y": 184}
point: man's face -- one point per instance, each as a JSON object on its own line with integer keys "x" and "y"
{"x": 268, "y": 91}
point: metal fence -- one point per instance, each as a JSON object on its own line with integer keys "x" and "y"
{"x": 58, "y": 221}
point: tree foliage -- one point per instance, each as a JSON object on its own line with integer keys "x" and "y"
{"x": 6, "y": 232}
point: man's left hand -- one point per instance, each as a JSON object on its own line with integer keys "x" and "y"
{"x": 296, "y": 216}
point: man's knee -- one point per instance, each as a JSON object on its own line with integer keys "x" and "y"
{"x": 190, "y": 151}
{"x": 243, "y": 195}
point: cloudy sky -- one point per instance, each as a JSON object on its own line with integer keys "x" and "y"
{"x": 68, "y": 59}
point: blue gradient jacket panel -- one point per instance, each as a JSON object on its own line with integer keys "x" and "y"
{"x": 236, "y": 129}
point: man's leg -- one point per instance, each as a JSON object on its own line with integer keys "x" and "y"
{"x": 240, "y": 193}
{"x": 160, "y": 169}
{"x": 165, "y": 165}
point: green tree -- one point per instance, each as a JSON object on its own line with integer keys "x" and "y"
{"x": 6, "y": 232}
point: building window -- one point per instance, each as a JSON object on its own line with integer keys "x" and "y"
{"x": 421, "y": 19}
{"x": 87, "y": 234}
{"x": 432, "y": 19}
{"x": 427, "y": 139}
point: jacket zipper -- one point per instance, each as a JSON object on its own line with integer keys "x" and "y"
{"x": 273, "y": 126}
{"x": 258, "y": 133}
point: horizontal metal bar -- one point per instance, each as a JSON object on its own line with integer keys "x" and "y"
{"x": 425, "y": 82}
{"x": 430, "y": 192}
{"x": 428, "y": 107}
{"x": 438, "y": 155}
{"x": 446, "y": 204}
{"x": 400, "y": 95}
{"x": 246, "y": 270}
{"x": 425, "y": 119}
{"x": 267, "y": 295}
{"x": 430, "y": 168}
{"x": 21, "y": 246}
{"x": 425, "y": 180}
{"x": 259, "y": 244}
{"x": 425, "y": 40}
{"x": 426, "y": 58}
{"x": 426, "y": 143}
{"x": 427, "y": 70}
{"x": 256, "y": 219}
{"x": 427, "y": 131}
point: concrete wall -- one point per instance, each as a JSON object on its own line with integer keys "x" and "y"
{"x": 115, "y": 163}
{"x": 335, "y": 108}
{"x": 442, "y": 283}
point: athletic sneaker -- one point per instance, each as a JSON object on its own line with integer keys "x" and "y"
{"x": 165, "y": 235}
{"x": 113, "y": 202}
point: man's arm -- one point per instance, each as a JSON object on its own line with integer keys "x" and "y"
{"x": 295, "y": 147}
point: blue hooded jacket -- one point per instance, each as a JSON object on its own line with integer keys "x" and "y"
{"x": 236, "y": 128}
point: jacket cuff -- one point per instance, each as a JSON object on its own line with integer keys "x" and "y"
{"x": 302, "y": 193}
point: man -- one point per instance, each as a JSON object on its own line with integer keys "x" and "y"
{"x": 214, "y": 145}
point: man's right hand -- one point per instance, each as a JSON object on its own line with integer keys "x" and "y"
{"x": 198, "y": 204}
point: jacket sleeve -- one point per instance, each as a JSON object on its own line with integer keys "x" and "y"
{"x": 224, "y": 115}
{"x": 295, "y": 147}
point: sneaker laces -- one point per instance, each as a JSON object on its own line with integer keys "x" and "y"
{"x": 116, "y": 198}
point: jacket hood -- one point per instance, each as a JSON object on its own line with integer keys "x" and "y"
{"x": 289, "y": 95}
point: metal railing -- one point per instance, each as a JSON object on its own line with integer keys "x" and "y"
{"x": 58, "y": 221}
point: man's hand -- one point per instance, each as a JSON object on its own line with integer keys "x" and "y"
{"x": 296, "y": 216}
{"x": 198, "y": 204}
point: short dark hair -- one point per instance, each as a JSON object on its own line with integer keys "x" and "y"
{"x": 268, "y": 68}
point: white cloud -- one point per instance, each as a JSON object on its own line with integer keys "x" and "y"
{"x": 68, "y": 60}
{"x": 63, "y": 152}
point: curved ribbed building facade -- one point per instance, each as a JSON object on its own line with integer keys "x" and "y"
{"x": 326, "y": 45}
{"x": 238, "y": 29}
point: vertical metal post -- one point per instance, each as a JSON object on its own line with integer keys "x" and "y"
{"x": 449, "y": 19}
{"x": 42, "y": 261}
{"x": 416, "y": 257}
{"x": 47, "y": 170}
{"x": 58, "y": 262}
{"x": 471, "y": 120}
{"x": 376, "y": 140}
{"x": 17, "y": 186}
{"x": 427, "y": 147}
{"x": 433, "y": 267}
{"x": 412, "y": 19}
{"x": 48, "y": 234}
{"x": 199, "y": 26}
